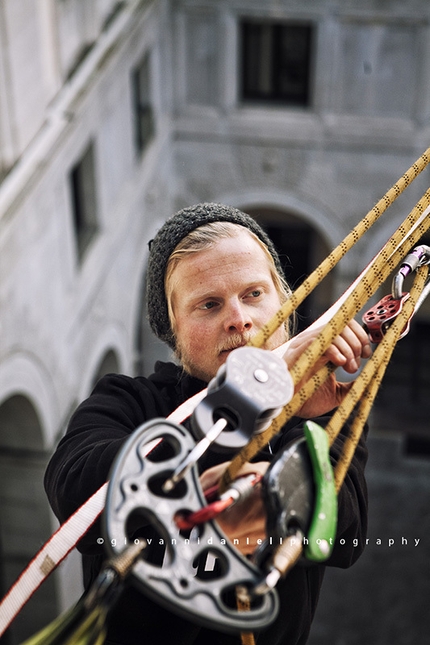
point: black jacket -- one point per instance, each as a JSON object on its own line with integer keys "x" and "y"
{"x": 82, "y": 462}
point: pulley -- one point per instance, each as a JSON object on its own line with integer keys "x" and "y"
{"x": 380, "y": 317}
{"x": 171, "y": 569}
{"x": 301, "y": 506}
{"x": 249, "y": 390}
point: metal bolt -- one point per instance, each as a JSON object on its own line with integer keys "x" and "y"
{"x": 261, "y": 375}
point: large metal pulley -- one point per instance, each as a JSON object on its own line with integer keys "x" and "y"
{"x": 154, "y": 485}
{"x": 171, "y": 569}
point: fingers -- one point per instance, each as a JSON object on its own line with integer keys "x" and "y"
{"x": 212, "y": 476}
{"x": 359, "y": 338}
{"x": 244, "y": 522}
{"x": 258, "y": 467}
{"x": 349, "y": 348}
{"x": 346, "y": 351}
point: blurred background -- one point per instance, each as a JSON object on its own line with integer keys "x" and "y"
{"x": 113, "y": 115}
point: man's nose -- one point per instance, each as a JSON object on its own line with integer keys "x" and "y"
{"x": 237, "y": 318}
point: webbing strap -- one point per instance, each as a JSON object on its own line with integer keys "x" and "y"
{"x": 65, "y": 539}
{"x": 50, "y": 556}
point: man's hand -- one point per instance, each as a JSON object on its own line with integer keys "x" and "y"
{"x": 346, "y": 351}
{"x": 245, "y": 521}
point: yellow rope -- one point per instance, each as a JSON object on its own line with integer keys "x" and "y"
{"x": 380, "y": 360}
{"x": 372, "y": 279}
{"x": 247, "y": 638}
{"x": 376, "y": 275}
{"x": 367, "y": 384}
{"x": 339, "y": 252}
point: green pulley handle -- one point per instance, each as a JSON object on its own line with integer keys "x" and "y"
{"x": 322, "y": 530}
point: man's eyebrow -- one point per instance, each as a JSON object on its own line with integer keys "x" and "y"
{"x": 259, "y": 282}
{"x": 204, "y": 295}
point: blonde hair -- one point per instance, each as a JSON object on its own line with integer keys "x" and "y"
{"x": 204, "y": 237}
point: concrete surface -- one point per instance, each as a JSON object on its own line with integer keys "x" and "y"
{"x": 384, "y": 598}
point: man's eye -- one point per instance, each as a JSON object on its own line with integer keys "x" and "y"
{"x": 208, "y": 305}
{"x": 255, "y": 293}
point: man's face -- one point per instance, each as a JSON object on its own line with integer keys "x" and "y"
{"x": 220, "y": 298}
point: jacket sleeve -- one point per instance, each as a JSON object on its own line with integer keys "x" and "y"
{"x": 96, "y": 432}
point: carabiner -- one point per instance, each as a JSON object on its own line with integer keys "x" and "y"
{"x": 378, "y": 319}
{"x": 418, "y": 257}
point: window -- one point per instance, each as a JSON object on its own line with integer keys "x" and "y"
{"x": 84, "y": 203}
{"x": 143, "y": 113}
{"x": 276, "y": 62}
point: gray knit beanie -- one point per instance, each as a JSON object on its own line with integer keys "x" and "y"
{"x": 165, "y": 242}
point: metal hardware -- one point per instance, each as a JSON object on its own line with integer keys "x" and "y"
{"x": 240, "y": 489}
{"x": 418, "y": 257}
{"x": 378, "y": 319}
{"x": 323, "y": 525}
{"x": 256, "y": 385}
{"x": 300, "y": 498}
{"x": 154, "y": 483}
{"x": 192, "y": 458}
{"x": 137, "y": 508}
{"x": 249, "y": 390}
{"x": 285, "y": 556}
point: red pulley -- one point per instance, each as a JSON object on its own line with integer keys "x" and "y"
{"x": 379, "y": 318}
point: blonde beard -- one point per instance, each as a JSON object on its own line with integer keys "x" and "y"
{"x": 232, "y": 342}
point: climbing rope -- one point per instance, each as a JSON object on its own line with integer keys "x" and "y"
{"x": 365, "y": 387}
{"x": 308, "y": 285}
{"x": 363, "y": 391}
{"x": 404, "y": 238}
{"x": 367, "y": 384}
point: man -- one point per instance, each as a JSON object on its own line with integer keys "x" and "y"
{"x": 214, "y": 279}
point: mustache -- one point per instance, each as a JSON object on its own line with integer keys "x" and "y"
{"x": 234, "y": 341}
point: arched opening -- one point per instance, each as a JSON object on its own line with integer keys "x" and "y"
{"x": 301, "y": 248}
{"x": 109, "y": 364}
{"x": 25, "y": 518}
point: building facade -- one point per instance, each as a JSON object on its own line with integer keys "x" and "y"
{"x": 114, "y": 114}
